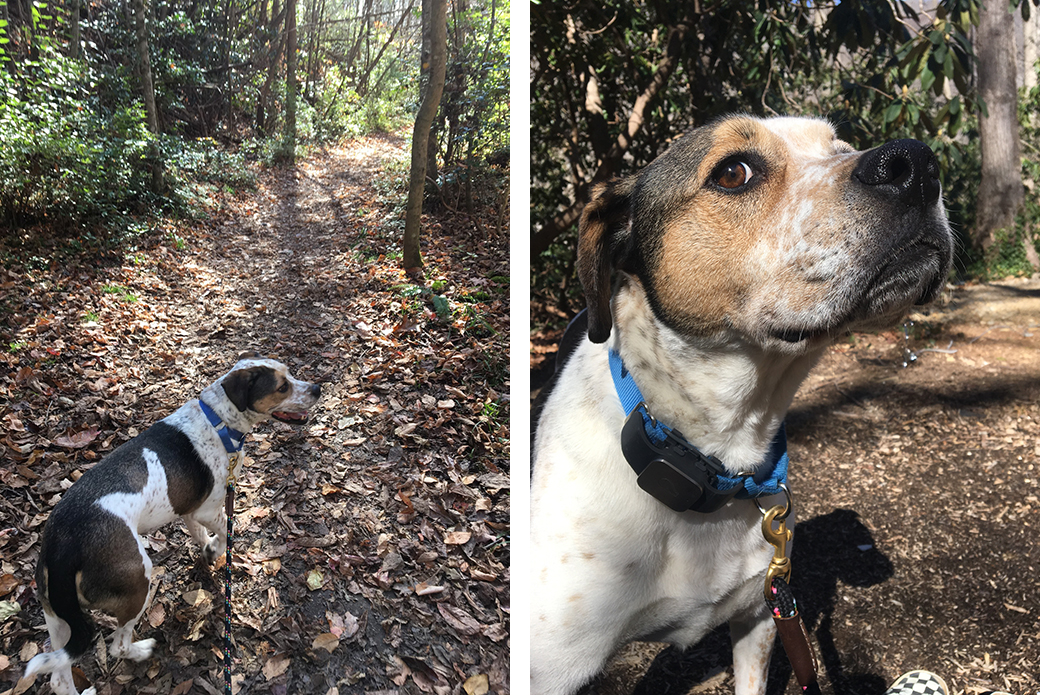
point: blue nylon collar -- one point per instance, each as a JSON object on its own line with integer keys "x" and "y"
{"x": 766, "y": 482}
{"x": 231, "y": 438}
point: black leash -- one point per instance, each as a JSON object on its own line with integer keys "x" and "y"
{"x": 229, "y": 508}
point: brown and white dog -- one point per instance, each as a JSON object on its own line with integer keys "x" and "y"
{"x": 741, "y": 253}
{"x": 92, "y": 556}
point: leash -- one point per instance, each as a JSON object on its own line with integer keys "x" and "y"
{"x": 232, "y": 440}
{"x": 229, "y": 509}
{"x": 780, "y": 599}
{"x": 678, "y": 474}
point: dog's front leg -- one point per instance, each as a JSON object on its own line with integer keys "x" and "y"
{"x": 209, "y": 531}
{"x": 752, "y": 635}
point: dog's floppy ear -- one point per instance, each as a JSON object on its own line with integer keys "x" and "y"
{"x": 599, "y": 236}
{"x": 238, "y": 383}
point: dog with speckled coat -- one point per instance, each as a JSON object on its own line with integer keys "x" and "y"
{"x": 92, "y": 555}
{"x": 739, "y": 255}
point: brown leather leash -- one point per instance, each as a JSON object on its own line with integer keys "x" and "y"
{"x": 781, "y": 602}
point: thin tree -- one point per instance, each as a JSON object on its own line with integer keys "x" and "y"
{"x": 74, "y": 42}
{"x": 431, "y": 100}
{"x": 1000, "y": 190}
{"x": 148, "y": 90}
{"x": 289, "y": 132}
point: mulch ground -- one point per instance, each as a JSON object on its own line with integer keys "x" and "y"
{"x": 918, "y": 498}
{"x": 371, "y": 552}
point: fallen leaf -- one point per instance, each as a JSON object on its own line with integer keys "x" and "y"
{"x": 476, "y": 684}
{"x": 22, "y": 686}
{"x": 424, "y": 589}
{"x": 9, "y": 608}
{"x": 182, "y": 688}
{"x": 482, "y": 576}
{"x": 457, "y": 538}
{"x": 156, "y": 614}
{"x": 8, "y": 583}
{"x": 276, "y": 666}
{"x": 463, "y": 622}
{"x": 28, "y": 651}
{"x": 78, "y": 440}
{"x": 343, "y": 626}
{"x": 315, "y": 579}
{"x": 326, "y": 641}
{"x": 197, "y": 597}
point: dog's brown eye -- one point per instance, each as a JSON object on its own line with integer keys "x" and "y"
{"x": 733, "y": 175}
{"x": 284, "y": 388}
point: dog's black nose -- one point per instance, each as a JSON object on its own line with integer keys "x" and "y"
{"x": 904, "y": 169}
{"x": 315, "y": 390}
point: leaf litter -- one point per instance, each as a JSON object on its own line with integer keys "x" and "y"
{"x": 371, "y": 546}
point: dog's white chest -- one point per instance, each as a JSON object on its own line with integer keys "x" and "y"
{"x": 148, "y": 509}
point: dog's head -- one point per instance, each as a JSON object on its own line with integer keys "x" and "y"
{"x": 262, "y": 386}
{"x": 772, "y": 228}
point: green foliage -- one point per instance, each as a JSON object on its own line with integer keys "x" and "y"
{"x": 123, "y": 293}
{"x": 74, "y": 146}
{"x": 62, "y": 155}
{"x": 1005, "y": 258}
{"x": 877, "y": 69}
{"x": 472, "y": 125}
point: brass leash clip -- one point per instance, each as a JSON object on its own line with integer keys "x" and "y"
{"x": 780, "y": 565}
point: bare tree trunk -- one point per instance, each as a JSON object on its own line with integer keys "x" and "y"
{"x": 229, "y": 115}
{"x": 431, "y": 100}
{"x": 1000, "y": 191}
{"x": 74, "y": 47}
{"x": 1031, "y": 34}
{"x": 433, "y": 140}
{"x": 261, "y": 58}
{"x": 289, "y": 132}
{"x": 364, "y": 26}
{"x": 148, "y": 88}
{"x": 275, "y": 39}
{"x": 362, "y": 81}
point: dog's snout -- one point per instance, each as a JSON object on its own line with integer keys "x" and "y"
{"x": 904, "y": 169}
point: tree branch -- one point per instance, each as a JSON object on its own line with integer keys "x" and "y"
{"x": 542, "y": 238}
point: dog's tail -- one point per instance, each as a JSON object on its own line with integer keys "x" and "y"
{"x": 57, "y": 592}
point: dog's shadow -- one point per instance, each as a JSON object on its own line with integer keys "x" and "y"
{"x": 827, "y": 548}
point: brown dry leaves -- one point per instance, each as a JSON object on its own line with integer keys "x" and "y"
{"x": 371, "y": 546}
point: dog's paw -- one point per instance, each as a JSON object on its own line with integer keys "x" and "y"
{"x": 90, "y": 691}
{"x": 214, "y": 549}
{"x": 140, "y": 650}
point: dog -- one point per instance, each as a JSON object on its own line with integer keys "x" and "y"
{"x": 740, "y": 254}
{"x": 92, "y": 556}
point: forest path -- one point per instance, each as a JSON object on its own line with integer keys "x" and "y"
{"x": 371, "y": 545}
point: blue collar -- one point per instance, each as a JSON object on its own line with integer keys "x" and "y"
{"x": 767, "y": 481}
{"x": 232, "y": 438}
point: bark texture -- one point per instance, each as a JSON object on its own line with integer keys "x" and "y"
{"x": 412, "y": 259}
{"x": 148, "y": 90}
{"x": 1000, "y": 191}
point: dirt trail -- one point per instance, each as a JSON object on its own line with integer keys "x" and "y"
{"x": 371, "y": 549}
{"x": 918, "y": 495}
